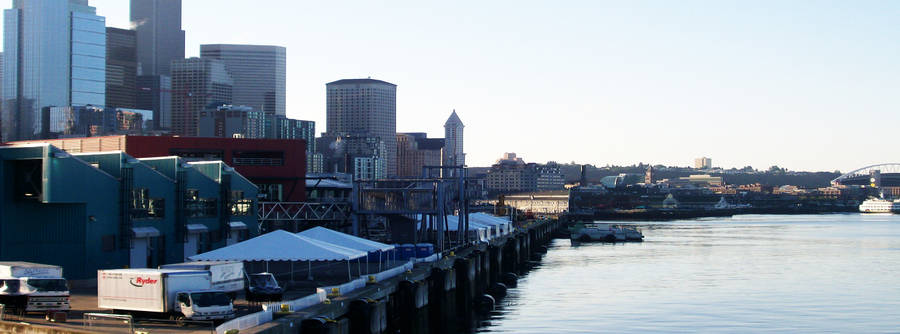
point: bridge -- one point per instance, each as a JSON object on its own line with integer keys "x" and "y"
{"x": 880, "y": 175}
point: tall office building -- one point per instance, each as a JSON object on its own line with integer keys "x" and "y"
{"x": 415, "y": 151}
{"x": 453, "y": 141}
{"x": 55, "y": 55}
{"x": 702, "y": 163}
{"x": 364, "y": 108}
{"x": 121, "y": 68}
{"x": 160, "y": 39}
{"x": 154, "y": 92}
{"x": 258, "y": 72}
{"x": 197, "y": 83}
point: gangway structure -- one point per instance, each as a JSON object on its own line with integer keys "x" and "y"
{"x": 417, "y": 206}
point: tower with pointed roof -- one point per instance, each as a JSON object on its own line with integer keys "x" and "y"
{"x": 453, "y": 141}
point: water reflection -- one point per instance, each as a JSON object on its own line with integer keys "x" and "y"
{"x": 815, "y": 273}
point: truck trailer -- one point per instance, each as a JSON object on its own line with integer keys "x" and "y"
{"x": 227, "y": 276}
{"x": 176, "y": 294}
{"x": 33, "y": 288}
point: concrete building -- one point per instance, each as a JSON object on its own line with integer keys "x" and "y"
{"x": 415, "y": 150}
{"x": 259, "y": 74}
{"x": 703, "y": 163}
{"x": 512, "y": 174}
{"x": 121, "y": 68}
{"x": 364, "y": 108}
{"x": 228, "y": 121}
{"x": 197, "y": 83}
{"x": 453, "y": 142}
{"x": 54, "y": 56}
{"x": 280, "y": 127}
{"x": 277, "y": 167}
{"x": 360, "y": 156}
{"x": 140, "y": 212}
{"x": 160, "y": 39}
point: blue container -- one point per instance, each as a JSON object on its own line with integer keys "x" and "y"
{"x": 407, "y": 251}
{"x": 424, "y": 250}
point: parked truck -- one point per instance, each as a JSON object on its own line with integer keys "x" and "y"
{"x": 33, "y": 288}
{"x": 227, "y": 276}
{"x": 176, "y": 294}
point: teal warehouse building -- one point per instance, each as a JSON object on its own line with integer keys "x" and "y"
{"x": 90, "y": 211}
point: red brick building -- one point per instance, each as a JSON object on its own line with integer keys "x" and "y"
{"x": 277, "y": 166}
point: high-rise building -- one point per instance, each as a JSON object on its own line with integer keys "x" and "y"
{"x": 703, "y": 163}
{"x": 259, "y": 73}
{"x": 364, "y": 108}
{"x": 154, "y": 92}
{"x": 160, "y": 39}
{"x": 415, "y": 151}
{"x": 54, "y": 55}
{"x": 360, "y": 156}
{"x": 121, "y": 68}
{"x": 228, "y": 121}
{"x": 197, "y": 83}
{"x": 453, "y": 139}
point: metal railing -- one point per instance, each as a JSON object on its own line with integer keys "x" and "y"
{"x": 303, "y": 211}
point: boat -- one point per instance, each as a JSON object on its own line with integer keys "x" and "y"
{"x": 605, "y": 233}
{"x": 879, "y": 205}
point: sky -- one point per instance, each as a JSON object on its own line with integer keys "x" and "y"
{"x": 805, "y": 85}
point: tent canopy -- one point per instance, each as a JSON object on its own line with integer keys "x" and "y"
{"x": 350, "y": 241}
{"x": 280, "y": 245}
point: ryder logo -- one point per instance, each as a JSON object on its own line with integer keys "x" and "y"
{"x": 140, "y": 282}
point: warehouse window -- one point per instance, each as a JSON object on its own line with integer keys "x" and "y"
{"x": 143, "y": 206}
{"x": 195, "y": 206}
{"x": 28, "y": 176}
{"x": 239, "y": 205}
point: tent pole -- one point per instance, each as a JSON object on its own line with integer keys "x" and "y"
{"x": 349, "y": 273}
{"x": 267, "y": 265}
{"x": 292, "y": 271}
{"x": 379, "y": 260}
{"x": 359, "y": 267}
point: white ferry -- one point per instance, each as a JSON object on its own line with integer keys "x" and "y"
{"x": 879, "y": 205}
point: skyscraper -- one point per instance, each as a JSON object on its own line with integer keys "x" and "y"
{"x": 196, "y": 84}
{"x": 54, "y": 55}
{"x": 453, "y": 141}
{"x": 154, "y": 92}
{"x": 258, "y": 72}
{"x": 121, "y": 68}
{"x": 364, "y": 108}
{"x": 160, "y": 39}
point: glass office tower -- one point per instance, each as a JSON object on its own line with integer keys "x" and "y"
{"x": 54, "y": 55}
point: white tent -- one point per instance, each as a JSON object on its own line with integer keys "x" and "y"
{"x": 281, "y": 245}
{"x": 478, "y": 231}
{"x": 502, "y": 222}
{"x": 345, "y": 240}
{"x": 350, "y": 241}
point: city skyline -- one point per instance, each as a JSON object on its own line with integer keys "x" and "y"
{"x": 747, "y": 84}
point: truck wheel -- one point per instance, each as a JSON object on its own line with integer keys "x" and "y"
{"x": 180, "y": 321}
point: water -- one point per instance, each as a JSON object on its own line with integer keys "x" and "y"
{"x": 753, "y": 273}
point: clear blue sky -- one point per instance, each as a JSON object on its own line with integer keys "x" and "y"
{"x": 807, "y": 85}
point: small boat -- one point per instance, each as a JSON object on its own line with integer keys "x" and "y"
{"x": 605, "y": 233}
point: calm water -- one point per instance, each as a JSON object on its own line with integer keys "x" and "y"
{"x": 754, "y": 273}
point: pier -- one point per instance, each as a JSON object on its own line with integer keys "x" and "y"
{"x": 443, "y": 296}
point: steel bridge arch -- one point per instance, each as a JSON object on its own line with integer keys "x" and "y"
{"x": 893, "y": 167}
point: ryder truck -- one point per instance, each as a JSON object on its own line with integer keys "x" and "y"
{"x": 176, "y": 294}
